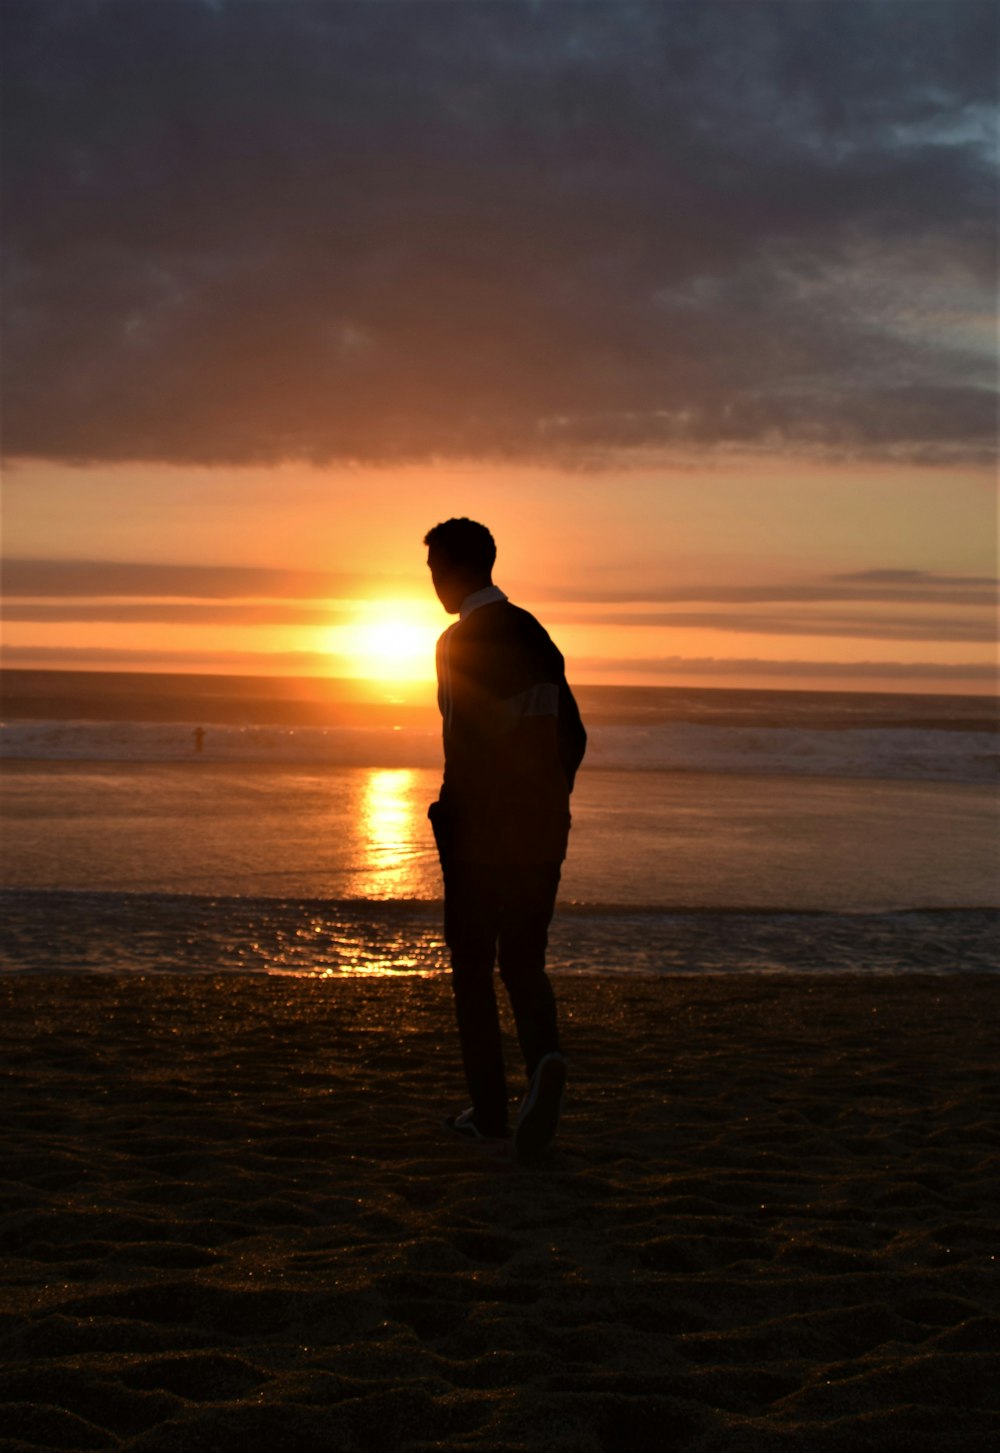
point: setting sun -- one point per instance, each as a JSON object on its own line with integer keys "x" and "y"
{"x": 390, "y": 641}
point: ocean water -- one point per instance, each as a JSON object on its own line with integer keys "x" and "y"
{"x": 714, "y": 831}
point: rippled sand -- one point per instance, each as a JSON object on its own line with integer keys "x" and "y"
{"x": 231, "y": 1220}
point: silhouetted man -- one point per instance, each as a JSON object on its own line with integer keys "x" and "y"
{"x": 513, "y": 741}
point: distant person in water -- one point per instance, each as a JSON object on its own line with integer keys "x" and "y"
{"x": 513, "y": 741}
{"x": 199, "y": 738}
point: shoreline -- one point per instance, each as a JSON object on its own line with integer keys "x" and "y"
{"x": 231, "y": 1216}
{"x": 97, "y": 931}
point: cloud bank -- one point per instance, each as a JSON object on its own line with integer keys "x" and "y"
{"x": 952, "y": 676}
{"x": 879, "y": 604}
{"x": 38, "y": 579}
{"x": 560, "y": 232}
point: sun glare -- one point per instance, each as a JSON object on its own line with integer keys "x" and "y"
{"x": 390, "y": 641}
{"x": 391, "y": 646}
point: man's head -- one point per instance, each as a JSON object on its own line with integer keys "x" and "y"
{"x": 460, "y": 554}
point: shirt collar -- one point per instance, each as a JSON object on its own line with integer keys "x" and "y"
{"x": 487, "y": 596}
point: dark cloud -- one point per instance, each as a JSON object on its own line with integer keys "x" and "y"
{"x": 893, "y": 586}
{"x": 314, "y": 662}
{"x": 925, "y": 580}
{"x": 252, "y": 663}
{"x": 111, "y": 579}
{"x": 833, "y": 670}
{"x": 181, "y": 613}
{"x": 249, "y": 231}
{"x": 873, "y": 626}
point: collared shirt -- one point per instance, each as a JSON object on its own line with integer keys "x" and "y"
{"x": 486, "y": 596}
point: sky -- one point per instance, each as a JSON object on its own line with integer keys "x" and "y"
{"x": 692, "y": 303}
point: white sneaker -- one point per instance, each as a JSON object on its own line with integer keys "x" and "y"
{"x": 465, "y": 1125}
{"x": 539, "y": 1114}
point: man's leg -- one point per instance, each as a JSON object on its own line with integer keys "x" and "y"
{"x": 529, "y": 901}
{"x": 471, "y": 924}
{"x": 523, "y": 939}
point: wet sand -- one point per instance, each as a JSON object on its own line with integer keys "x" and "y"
{"x": 232, "y": 1221}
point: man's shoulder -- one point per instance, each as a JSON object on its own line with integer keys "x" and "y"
{"x": 501, "y": 620}
{"x": 506, "y": 649}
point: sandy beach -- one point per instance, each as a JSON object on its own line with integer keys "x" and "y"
{"x": 232, "y": 1221}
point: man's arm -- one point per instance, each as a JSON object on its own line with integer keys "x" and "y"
{"x": 572, "y": 736}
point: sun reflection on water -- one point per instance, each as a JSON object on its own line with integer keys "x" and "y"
{"x": 392, "y": 832}
{"x": 381, "y": 916}
{"x": 388, "y": 809}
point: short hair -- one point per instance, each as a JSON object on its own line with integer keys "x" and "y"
{"x": 465, "y": 542}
